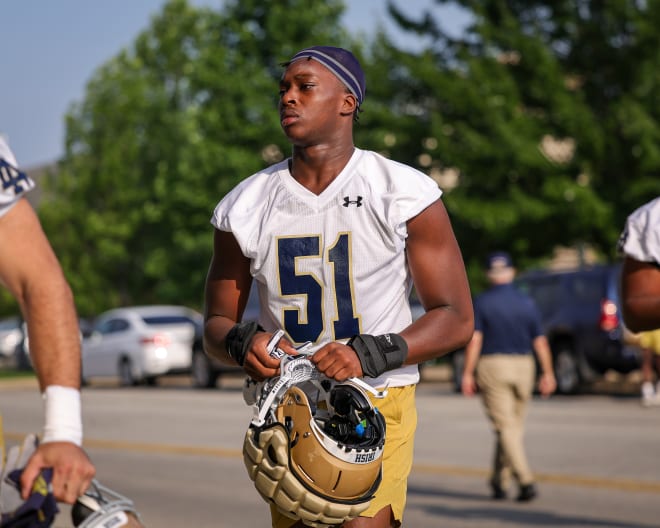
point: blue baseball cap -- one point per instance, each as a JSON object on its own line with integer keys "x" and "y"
{"x": 342, "y": 63}
{"x": 498, "y": 260}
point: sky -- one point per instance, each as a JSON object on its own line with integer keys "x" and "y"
{"x": 52, "y": 49}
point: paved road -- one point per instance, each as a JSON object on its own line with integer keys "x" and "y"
{"x": 176, "y": 452}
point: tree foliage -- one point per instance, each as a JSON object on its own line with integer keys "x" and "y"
{"x": 540, "y": 122}
{"x": 546, "y": 111}
{"x": 165, "y": 129}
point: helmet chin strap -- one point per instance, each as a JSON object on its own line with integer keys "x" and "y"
{"x": 294, "y": 370}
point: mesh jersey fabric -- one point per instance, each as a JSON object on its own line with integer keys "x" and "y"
{"x": 332, "y": 265}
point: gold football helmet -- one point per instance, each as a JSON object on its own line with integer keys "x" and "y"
{"x": 315, "y": 446}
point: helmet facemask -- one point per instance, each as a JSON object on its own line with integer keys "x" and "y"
{"x": 101, "y": 506}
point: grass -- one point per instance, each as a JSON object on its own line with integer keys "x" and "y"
{"x": 9, "y": 373}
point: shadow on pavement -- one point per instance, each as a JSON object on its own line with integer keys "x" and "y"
{"x": 504, "y": 514}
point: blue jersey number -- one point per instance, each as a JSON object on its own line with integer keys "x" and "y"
{"x": 309, "y": 325}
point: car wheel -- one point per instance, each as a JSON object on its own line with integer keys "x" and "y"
{"x": 566, "y": 370}
{"x": 126, "y": 376}
{"x": 203, "y": 375}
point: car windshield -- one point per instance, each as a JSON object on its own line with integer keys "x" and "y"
{"x": 8, "y": 324}
{"x": 156, "y": 320}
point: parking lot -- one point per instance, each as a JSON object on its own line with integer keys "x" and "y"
{"x": 177, "y": 453}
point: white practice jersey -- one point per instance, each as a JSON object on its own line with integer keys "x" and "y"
{"x": 640, "y": 239}
{"x": 15, "y": 183}
{"x": 331, "y": 266}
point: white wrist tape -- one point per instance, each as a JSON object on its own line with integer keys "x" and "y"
{"x": 63, "y": 422}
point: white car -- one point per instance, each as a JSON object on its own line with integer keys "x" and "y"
{"x": 11, "y": 335}
{"x": 137, "y": 344}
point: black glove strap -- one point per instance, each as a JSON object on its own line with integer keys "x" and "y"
{"x": 238, "y": 340}
{"x": 378, "y": 354}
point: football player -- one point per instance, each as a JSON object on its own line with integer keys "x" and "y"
{"x": 334, "y": 238}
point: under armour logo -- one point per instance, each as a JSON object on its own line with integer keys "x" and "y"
{"x": 348, "y": 201}
{"x": 10, "y": 176}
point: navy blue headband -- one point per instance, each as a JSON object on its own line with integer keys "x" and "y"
{"x": 342, "y": 63}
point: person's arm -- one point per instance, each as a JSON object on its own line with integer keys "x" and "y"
{"x": 31, "y": 271}
{"x": 438, "y": 272}
{"x": 472, "y": 353}
{"x": 441, "y": 284}
{"x": 547, "y": 382}
{"x": 640, "y": 294}
{"x": 227, "y": 289}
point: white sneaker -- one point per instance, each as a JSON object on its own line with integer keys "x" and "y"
{"x": 648, "y": 394}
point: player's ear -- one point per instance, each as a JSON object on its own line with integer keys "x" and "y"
{"x": 349, "y": 104}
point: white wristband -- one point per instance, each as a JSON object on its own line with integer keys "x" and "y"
{"x": 63, "y": 422}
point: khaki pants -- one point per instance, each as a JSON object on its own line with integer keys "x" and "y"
{"x": 506, "y": 383}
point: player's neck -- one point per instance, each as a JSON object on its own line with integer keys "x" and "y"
{"x": 316, "y": 167}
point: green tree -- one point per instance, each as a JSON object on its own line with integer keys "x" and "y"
{"x": 165, "y": 129}
{"x": 543, "y": 115}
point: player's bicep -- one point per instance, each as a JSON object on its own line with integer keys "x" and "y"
{"x": 31, "y": 256}
{"x": 228, "y": 280}
{"x": 640, "y": 288}
{"x": 435, "y": 260}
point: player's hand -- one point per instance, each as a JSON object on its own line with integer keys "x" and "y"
{"x": 258, "y": 364}
{"x": 337, "y": 361}
{"x": 72, "y": 470}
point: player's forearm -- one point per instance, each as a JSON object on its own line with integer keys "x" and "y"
{"x": 54, "y": 335}
{"x": 216, "y": 329}
{"x": 438, "y": 332}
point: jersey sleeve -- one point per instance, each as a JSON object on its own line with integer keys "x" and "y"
{"x": 640, "y": 238}
{"x": 241, "y": 211}
{"x": 405, "y": 191}
{"x": 15, "y": 183}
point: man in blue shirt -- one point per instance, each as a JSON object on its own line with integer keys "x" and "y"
{"x": 507, "y": 332}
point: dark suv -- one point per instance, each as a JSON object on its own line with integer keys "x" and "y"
{"x": 581, "y": 318}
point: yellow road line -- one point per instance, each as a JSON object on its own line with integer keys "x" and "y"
{"x": 143, "y": 447}
{"x": 620, "y": 484}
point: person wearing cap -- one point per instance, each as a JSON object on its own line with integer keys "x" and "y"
{"x": 334, "y": 238}
{"x": 507, "y": 333}
{"x": 30, "y": 270}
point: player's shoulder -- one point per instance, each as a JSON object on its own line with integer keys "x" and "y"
{"x": 648, "y": 214}
{"x": 369, "y": 158}
{"x": 392, "y": 174}
{"x": 640, "y": 238}
{"x": 256, "y": 187}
